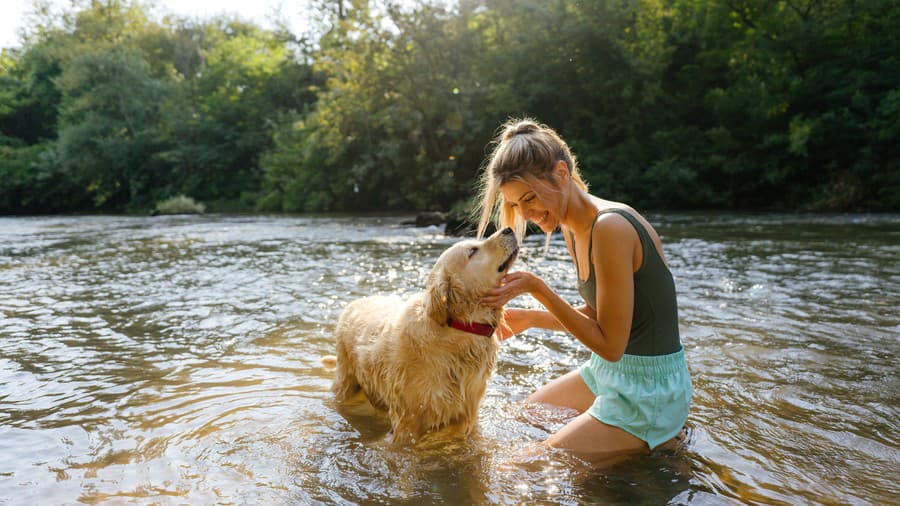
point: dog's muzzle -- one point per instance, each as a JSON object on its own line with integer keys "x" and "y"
{"x": 509, "y": 240}
{"x": 509, "y": 260}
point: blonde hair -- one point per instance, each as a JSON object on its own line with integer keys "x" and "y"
{"x": 524, "y": 147}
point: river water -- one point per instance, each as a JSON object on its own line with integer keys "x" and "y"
{"x": 176, "y": 360}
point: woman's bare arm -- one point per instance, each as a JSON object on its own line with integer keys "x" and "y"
{"x": 606, "y": 330}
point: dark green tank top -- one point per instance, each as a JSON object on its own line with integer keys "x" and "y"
{"x": 654, "y": 322}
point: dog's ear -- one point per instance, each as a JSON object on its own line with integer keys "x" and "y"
{"x": 437, "y": 296}
{"x": 444, "y": 296}
{"x": 459, "y": 303}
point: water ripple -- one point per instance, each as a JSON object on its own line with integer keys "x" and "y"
{"x": 176, "y": 359}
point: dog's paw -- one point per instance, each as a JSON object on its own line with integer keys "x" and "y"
{"x": 329, "y": 361}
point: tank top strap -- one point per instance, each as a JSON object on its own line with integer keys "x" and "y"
{"x": 643, "y": 234}
{"x": 589, "y": 250}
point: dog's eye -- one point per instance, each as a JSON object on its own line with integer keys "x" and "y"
{"x": 472, "y": 252}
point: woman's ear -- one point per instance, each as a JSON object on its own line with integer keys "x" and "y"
{"x": 561, "y": 173}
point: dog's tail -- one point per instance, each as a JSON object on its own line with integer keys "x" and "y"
{"x": 329, "y": 361}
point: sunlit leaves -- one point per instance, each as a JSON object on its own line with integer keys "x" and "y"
{"x": 109, "y": 108}
{"x": 391, "y": 105}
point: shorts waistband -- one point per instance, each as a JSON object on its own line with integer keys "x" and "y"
{"x": 640, "y": 365}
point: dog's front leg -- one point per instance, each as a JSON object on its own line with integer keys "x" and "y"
{"x": 404, "y": 432}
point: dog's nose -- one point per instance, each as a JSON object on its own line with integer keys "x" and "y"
{"x": 506, "y": 231}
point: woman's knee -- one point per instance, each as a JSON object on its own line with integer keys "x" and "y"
{"x": 569, "y": 391}
{"x": 542, "y": 395}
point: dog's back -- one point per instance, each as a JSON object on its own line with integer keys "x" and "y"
{"x": 361, "y": 334}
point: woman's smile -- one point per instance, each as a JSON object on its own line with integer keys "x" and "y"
{"x": 541, "y": 219}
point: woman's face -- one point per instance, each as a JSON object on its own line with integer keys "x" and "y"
{"x": 533, "y": 200}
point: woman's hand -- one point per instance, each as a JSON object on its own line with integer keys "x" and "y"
{"x": 514, "y": 321}
{"x": 511, "y": 286}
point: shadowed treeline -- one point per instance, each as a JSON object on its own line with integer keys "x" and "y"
{"x": 679, "y": 104}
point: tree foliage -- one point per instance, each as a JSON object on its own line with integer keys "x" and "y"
{"x": 727, "y": 104}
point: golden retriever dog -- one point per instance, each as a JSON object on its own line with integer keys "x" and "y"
{"x": 426, "y": 360}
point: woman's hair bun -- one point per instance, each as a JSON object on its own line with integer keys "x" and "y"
{"x": 524, "y": 126}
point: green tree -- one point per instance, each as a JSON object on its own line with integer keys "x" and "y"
{"x": 231, "y": 86}
{"x": 786, "y": 94}
{"x": 30, "y": 179}
{"x": 732, "y": 104}
{"x": 395, "y": 126}
{"x": 108, "y": 115}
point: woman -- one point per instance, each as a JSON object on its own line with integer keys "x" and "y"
{"x": 635, "y": 391}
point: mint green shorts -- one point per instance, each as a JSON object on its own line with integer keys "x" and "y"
{"x": 649, "y": 397}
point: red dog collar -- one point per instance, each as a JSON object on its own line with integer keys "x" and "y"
{"x": 482, "y": 329}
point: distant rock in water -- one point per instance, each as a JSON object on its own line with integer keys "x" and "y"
{"x": 431, "y": 218}
{"x": 455, "y": 224}
{"x": 459, "y": 224}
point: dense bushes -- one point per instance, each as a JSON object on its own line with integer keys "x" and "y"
{"x": 745, "y": 104}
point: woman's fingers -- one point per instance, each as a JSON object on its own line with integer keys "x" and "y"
{"x": 511, "y": 276}
{"x": 496, "y": 300}
{"x": 496, "y": 297}
{"x": 511, "y": 286}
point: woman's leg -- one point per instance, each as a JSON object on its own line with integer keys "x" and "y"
{"x": 596, "y": 442}
{"x": 586, "y": 437}
{"x": 568, "y": 391}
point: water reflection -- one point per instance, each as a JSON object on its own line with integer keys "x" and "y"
{"x": 177, "y": 359}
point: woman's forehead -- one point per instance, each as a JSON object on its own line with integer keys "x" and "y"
{"x": 513, "y": 190}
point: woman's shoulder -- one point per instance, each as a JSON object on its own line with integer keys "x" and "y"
{"x": 611, "y": 224}
{"x": 606, "y": 211}
{"x": 610, "y": 221}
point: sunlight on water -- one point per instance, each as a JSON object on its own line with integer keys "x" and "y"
{"x": 177, "y": 359}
